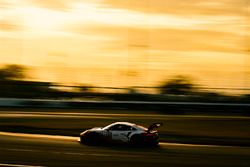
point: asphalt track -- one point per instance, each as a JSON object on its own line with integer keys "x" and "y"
{"x": 29, "y": 150}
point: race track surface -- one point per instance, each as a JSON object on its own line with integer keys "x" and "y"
{"x": 26, "y": 150}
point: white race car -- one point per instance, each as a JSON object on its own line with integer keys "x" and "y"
{"x": 122, "y": 132}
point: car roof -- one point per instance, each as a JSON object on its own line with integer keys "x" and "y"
{"x": 128, "y": 124}
{"x": 124, "y": 123}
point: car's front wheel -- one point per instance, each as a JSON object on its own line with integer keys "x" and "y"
{"x": 90, "y": 138}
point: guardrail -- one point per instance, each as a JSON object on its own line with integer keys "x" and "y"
{"x": 165, "y": 107}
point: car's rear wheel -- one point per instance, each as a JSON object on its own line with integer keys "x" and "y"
{"x": 136, "y": 140}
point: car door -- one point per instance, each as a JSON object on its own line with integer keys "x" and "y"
{"x": 120, "y": 133}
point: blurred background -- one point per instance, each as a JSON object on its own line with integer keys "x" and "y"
{"x": 125, "y": 50}
{"x": 70, "y": 65}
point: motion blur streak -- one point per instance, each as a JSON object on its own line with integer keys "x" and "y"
{"x": 15, "y": 165}
{"x": 106, "y": 115}
{"x": 39, "y": 136}
{"x": 44, "y": 151}
{"x": 70, "y": 138}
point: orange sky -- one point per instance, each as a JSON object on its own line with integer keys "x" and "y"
{"x": 128, "y": 42}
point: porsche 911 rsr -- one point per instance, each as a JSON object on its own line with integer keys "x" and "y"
{"x": 122, "y": 132}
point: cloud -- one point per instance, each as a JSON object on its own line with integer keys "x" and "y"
{"x": 181, "y": 7}
{"x": 52, "y": 4}
{"x": 8, "y": 26}
{"x": 3, "y": 4}
{"x": 167, "y": 39}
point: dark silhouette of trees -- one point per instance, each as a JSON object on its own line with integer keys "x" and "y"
{"x": 178, "y": 85}
{"x": 12, "y": 72}
{"x": 13, "y": 83}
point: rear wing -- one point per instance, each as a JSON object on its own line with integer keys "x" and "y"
{"x": 154, "y": 126}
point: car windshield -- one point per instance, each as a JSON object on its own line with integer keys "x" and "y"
{"x": 108, "y": 126}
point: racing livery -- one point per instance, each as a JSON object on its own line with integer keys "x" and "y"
{"x": 122, "y": 132}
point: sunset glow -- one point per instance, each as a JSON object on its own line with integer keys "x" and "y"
{"x": 131, "y": 42}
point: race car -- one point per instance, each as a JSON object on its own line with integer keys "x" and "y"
{"x": 122, "y": 132}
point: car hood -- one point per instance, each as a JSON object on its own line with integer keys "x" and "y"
{"x": 96, "y": 129}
